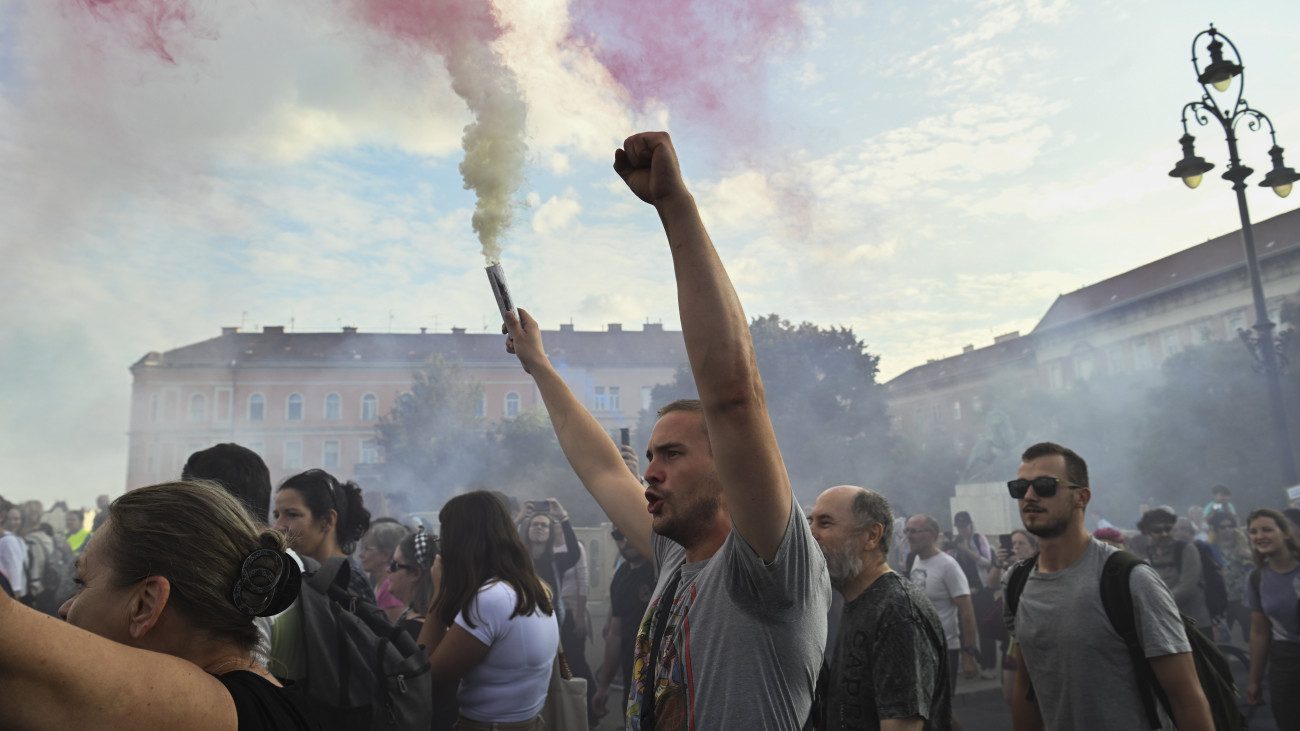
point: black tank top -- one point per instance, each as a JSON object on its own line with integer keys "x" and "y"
{"x": 263, "y": 707}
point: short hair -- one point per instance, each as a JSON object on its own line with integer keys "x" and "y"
{"x": 1220, "y": 489}
{"x": 197, "y": 536}
{"x": 81, "y": 516}
{"x": 31, "y": 512}
{"x": 321, "y": 493}
{"x": 962, "y": 517}
{"x": 237, "y": 469}
{"x": 871, "y": 508}
{"x": 929, "y": 522}
{"x": 1076, "y": 470}
{"x": 386, "y": 535}
{"x": 681, "y": 404}
{"x": 1154, "y": 517}
{"x": 1033, "y": 539}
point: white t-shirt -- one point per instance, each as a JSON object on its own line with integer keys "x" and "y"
{"x": 510, "y": 684}
{"x": 942, "y": 580}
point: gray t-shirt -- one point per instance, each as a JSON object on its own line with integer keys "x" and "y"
{"x": 1081, "y": 671}
{"x": 891, "y": 660}
{"x": 744, "y": 641}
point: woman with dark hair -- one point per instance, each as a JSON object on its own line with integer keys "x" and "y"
{"x": 160, "y": 633}
{"x": 1273, "y": 597}
{"x": 490, "y": 625}
{"x": 410, "y": 579}
{"x": 323, "y": 518}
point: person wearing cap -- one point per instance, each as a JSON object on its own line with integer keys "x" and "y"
{"x": 629, "y": 593}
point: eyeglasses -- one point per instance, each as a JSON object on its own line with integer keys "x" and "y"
{"x": 393, "y": 567}
{"x": 1043, "y": 486}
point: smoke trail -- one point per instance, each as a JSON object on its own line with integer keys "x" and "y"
{"x": 461, "y": 31}
{"x": 706, "y": 60}
{"x": 151, "y": 25}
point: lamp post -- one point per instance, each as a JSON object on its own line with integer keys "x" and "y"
{"x": 1219, "y": 75}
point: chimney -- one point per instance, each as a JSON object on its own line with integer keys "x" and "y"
{"x": 229, "y": 331}
{"x": 458, "y": 331}
{"x": 424, "y": 331}
{"x": 349, "y": 330}
{"x": 566, "y": 327}
{"x": 653, "y": 327}
{"x": 273, "y": 329}
{"x": 1008, "y": 336}
{"x": 616, "y": 327}
{"x": 967, "y": 348}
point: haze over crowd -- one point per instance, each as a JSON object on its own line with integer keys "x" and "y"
{"x": 928, "y": 176}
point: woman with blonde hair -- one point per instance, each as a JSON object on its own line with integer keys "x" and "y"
{"x": 1273, "y": 597}
{"x": 490, "y": 627}
{"x": 160, "y": 633}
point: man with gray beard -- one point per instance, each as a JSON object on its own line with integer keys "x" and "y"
{"x": 889, "y": 670}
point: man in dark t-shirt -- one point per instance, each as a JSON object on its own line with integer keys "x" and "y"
{"x": 629, "y": 593}
{"x": 890, "y": 660}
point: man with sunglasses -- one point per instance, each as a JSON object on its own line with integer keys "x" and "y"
{"x": 1074, "y": 671}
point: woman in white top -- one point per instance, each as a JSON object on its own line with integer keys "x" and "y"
{"x": 490, "y": 626}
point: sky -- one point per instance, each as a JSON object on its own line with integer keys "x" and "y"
{"x": 928, "y": 174}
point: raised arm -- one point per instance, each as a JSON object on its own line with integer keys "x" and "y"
{"x": 55, "y": 676}
{"x": 590, "y": 451}
{"x": 719, "y": 348}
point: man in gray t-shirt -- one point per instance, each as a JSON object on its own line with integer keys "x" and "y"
{"x": 1078, "y": 667}
{"x": 734, "y": 634}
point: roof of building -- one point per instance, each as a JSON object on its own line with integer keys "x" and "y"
{"x": 1217, "y": 256}
{"x": 650, "y": 346}
{"x": 972, "y": 362}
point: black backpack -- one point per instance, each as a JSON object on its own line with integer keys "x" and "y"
{"x": 1212, "y": 583}
{"x": 47, "y": 592}
{"x": 366, "y": 672}
{"x": 1212, "y": 669}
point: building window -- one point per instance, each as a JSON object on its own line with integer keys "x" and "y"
{"x": 330, "y": 455}
{"x": 153, "y": 407}
{"x": 1236, "y": 321}
{"x": 1201, "y": 332}
{"x": 1169, "y": 343}
{"x": 333, "y": 407}
{"x": 256, "y": 407}
{"x": 934, "y": 414}
{"x": 369, "y": 451}
{"x": 369, "y": 407}
{"x": 293, "y": 455}
{"x": 647, "y": 397}
{"x": 615, "y": 398}
{"x": 1142, "y": 354}
{"x": 608, "y": 398}
{"x": 1084, "y": 366}
{"x": 198, "y": 407}
{"x": 956, "y": 411}
{"x": 601, "y": 402}
{"x": 976, "y": 404}
{"x": 512, "y": 405}
{"x": 480, "y": 408}
{"x": 293, "y": 410}
{"x": 1054, "y": 377}
{"x": 1115, "y": 359}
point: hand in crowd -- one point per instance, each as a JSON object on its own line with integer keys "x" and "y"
{"x": 1004, "y": 557}
{"x": 970, "y": 666}
{"x": 1253, "y": 696}
{"x": 647, "y": 162}
{"x": 524, "y": 339}
{"x": 631, "y": 459}
{"x": 599, "y": 701}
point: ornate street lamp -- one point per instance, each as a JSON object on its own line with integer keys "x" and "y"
{"x": 1219, "y": 75}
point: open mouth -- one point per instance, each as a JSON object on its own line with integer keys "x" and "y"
{"x": 655, "y": 503}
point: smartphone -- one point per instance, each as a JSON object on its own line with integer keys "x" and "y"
{"x": 625, "y": 436}
{"x": 538, "y": 506}
{"x": 1005, "y": 540}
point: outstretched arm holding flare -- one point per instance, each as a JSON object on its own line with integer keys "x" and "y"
{"x": 743, "y": 444}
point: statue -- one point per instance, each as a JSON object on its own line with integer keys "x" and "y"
{"x": 994, "y": 452}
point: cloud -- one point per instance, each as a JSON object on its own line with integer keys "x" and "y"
{"x": 556, "y": 214}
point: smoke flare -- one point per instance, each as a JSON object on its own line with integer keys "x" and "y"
{"x": 462, "y": 31}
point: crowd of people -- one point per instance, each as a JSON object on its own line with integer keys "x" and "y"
{"x": 197, "y": 603}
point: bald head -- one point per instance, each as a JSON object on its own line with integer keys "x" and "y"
{"x": 859, "y": 509}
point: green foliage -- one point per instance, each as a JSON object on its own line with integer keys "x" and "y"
{"x": 435, "y": 447}
{"x": 826, "y": 407}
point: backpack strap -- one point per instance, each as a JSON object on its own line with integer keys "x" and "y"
{"x": 1117, "y": 599}
{"x": 1016, "y": 583}
{"x": 911, "y": 561}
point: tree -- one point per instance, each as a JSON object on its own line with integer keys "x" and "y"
{"x": 826, "y": 407}
{"x": 432, "y": 441}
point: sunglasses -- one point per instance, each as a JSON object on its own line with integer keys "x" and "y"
{"x": 393, "y": 567}
{"x": 1044, "y": 487}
